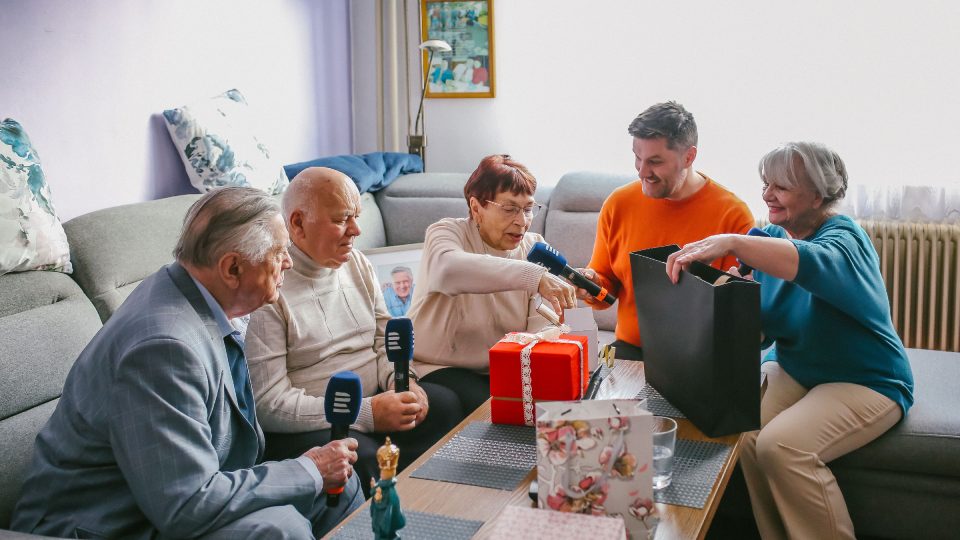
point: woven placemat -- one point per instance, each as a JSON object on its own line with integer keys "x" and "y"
{"x": 484, "y": 454}
{"x": 657, "y": 404}
{"x": 696, "y": 465}
{"x": 420, "y": 525}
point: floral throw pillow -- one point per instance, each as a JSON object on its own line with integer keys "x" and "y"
{"x": 31, "y": 236}
{"x": 216, "y": 141}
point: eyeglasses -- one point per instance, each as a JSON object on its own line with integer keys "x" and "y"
{"x": 512, "y": 211}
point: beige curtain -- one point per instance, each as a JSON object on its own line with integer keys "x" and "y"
{"x": 385, "y": 67}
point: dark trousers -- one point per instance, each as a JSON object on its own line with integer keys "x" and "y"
{"x": 627, "y": 351}
{"x": 444, "y": 414}
{"x": 472, "y": 388}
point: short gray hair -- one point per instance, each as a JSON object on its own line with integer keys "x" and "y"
{"x": 790, "y": 163}
{"x": 398, "y": 269}
{"x": 668, "y": 120}
{"x": 228, "y": 219}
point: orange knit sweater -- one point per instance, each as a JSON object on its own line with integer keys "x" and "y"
{"x": 629, "y": 221}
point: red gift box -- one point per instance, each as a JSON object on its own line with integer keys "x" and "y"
{"x": 558, "y": 371}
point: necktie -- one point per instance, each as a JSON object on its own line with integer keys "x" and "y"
{"x": 241, "y": 378}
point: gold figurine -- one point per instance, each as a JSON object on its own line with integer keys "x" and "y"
{"x": 385, "y": 512}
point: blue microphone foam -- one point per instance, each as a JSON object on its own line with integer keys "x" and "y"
{"x": 341, "y": 402}
{"x": 545, "y": 255}
{"x": 399, "y": 334}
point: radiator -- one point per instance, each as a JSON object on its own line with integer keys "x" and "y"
{"x": 920, "y": 264}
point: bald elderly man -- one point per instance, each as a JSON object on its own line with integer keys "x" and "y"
{"x": 331, "y": 317}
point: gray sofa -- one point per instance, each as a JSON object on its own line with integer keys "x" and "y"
{"x": 901, "y": 486}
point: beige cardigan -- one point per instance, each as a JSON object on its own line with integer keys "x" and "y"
{"x": 468, "y": 295}
{"x": 326, "y": 320}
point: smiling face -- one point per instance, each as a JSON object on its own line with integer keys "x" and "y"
{"x": 402, "y": 282}
{"x": 664, "y": 172}
{"x": 501, "y": 228}
{"x": 798, "y": 208}
{"x": 259, "y": 283}
{"x": 324, "y": 223}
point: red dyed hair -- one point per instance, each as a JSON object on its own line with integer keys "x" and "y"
{"x": 497, "y": 174}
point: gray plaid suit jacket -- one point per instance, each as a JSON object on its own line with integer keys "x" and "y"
{"x": 147, "y": 440}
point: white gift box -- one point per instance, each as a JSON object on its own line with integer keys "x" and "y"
{"x": 582, "y": 323}
{"x": 535, "y": 524}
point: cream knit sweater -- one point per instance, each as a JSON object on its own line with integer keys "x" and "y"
{"x": 469, "y": 295}
{"x": 327, "y": 320}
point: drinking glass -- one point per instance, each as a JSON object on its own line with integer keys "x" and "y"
{"x": 664, "y": 442}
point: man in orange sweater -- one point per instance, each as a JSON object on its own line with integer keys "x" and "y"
{"x": 670, "y": 204}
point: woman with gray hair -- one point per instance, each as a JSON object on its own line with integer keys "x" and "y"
{"x": 838, "y": 376}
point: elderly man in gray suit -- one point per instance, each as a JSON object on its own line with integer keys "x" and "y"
{"x": 156, "y": 433}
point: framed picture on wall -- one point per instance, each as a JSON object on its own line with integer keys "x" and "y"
{"x": 467, "y": 70}
{"x": 396, "y": 268}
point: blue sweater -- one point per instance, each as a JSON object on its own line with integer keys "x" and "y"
{"x": 832, "y": 322}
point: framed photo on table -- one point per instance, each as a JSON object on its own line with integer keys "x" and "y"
{"x": 396, "y": 268}
{"x": 466, "y": 71}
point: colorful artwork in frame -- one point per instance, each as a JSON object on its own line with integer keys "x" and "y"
{"x": 467, "y": 70}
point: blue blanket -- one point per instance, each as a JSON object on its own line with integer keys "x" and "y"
{"x": 371, "y": 172}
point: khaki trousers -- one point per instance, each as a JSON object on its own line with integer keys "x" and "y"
{"x": 792, "y": 491}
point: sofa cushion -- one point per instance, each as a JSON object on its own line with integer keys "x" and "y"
{"x": 928, "y": 440}
{"x": 31, "y": 236}
{"x": 17, "y": 434}
{"x": 115, "y": 248}
{"x": 413, "y": 202}
{"x": 372, "y": 233}
{"x": 45, "y": 321}
{"x": 571, "y": 224}
{"x": 218, "y": 143}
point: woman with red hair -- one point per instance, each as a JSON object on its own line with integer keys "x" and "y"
{"x": 475, "y": 284}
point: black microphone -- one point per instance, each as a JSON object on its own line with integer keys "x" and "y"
{"x": 555, "y": 263}
{"x": 745, "y": 269}
{"x": 341, "y": 405}
{"x": 400, "y": 351}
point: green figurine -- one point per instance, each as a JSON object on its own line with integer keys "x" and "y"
{"x": 385, "y": 512}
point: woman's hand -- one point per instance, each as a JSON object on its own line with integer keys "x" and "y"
{"x": 559, "y": 293}
{"x": 705, "y": 251}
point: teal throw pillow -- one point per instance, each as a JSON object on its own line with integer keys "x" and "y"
{"x": 216, "y": 141}
{"x": 31, "y": 236}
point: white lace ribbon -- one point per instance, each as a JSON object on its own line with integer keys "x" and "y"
{"x": 550, "y": 334}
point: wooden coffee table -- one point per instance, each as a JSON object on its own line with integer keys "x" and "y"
{"x": 483, "y": 504}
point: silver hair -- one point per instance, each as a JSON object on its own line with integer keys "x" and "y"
{"x": 228, "y": 219}
{"x": 398, "y": 269}
{"x": 294, "y": 198}
{"x": 791, "y": 164}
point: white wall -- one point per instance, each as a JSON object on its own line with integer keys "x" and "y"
{"x": 875, "y": 80}
{"x": 88, "y": 79}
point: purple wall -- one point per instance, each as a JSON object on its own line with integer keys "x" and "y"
{"x": 89, "y": 79}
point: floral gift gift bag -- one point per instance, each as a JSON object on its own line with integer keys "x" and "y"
{"x": 595, "y": 457}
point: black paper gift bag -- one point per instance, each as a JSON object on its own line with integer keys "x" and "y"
{"x": 701, "y": 341}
